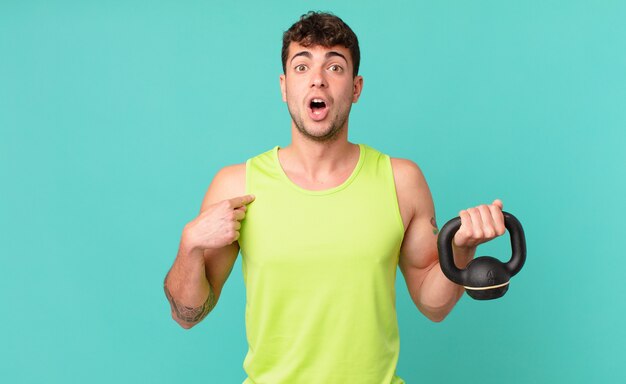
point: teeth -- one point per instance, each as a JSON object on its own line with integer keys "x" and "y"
{"x": 318, "y": 100}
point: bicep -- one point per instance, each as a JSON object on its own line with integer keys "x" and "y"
{"x": 418, "y": 254}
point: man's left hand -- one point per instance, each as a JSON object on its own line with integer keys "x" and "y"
{"x": 480, "y": 224}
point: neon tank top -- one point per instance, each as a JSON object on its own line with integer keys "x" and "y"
{"x": 319, "y": 269}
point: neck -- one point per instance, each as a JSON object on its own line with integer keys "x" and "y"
{"x": 319, "y": 160}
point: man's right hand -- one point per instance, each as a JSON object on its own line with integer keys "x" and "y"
{"x": 218, "y": 225}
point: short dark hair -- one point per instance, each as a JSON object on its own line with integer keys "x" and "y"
{"x": 325, "y": 29}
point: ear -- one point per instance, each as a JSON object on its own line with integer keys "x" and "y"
{"x": 358, "y": 87}
{"x": 283, "y": 88}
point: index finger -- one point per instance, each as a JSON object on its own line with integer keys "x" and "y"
{"x": 240, "y": 201}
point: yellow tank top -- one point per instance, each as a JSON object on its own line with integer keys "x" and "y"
{"x": 319, "y": 269}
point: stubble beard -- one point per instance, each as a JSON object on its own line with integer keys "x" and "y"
{"x": 336, "y": 125}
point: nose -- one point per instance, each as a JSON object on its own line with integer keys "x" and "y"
{"x": 318, "y": 78}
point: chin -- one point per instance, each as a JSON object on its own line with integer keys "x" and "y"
{"x": 322, "y": 135}
{"x": 319, "y": 131}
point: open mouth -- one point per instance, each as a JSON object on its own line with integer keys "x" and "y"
{"x": 317, "y": 106}
{"x": 318, "y": 109}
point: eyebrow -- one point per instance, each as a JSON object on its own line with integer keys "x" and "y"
{"x": 309, "y": 55}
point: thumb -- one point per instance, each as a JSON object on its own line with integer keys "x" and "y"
{"x": 498, "y": 203}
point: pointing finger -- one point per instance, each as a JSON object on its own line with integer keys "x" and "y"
{"x": 241, "y": 201}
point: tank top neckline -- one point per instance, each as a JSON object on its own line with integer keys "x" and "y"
{"x": 321, "y": 192}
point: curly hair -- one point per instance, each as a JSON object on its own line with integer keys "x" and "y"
{"x": 324, "y": 29}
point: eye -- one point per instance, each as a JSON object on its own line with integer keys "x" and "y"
{"x": 335, "y": 68}
{"x": 300, "y": 68}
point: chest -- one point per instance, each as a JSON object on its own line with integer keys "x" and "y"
{"x": 309, "y": 230}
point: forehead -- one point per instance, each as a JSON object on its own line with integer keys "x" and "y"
{"x": 317, "y": 50}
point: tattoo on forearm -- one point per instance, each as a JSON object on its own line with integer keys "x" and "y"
{"x": 191, "y": 314}
{"x": 433, "y": 222}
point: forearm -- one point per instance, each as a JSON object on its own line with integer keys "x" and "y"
{"x": 439, "y": 295}
{"x": 187, "y": 289}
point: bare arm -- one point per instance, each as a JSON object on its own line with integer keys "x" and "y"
{"x": 432, "y": 292}
{"x": 208, "y": 249}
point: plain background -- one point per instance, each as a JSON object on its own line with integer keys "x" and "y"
{"x": 114, "y": 117}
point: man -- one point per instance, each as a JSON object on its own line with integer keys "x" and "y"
{"x": 327, "y": 222}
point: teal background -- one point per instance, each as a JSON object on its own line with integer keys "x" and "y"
{"x": 114, "y": 117}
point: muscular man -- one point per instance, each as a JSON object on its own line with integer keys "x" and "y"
{"x": 322, "y": 225}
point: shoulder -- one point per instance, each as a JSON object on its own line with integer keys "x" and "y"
{"x": 228, "y": 182}
{"x": 406, "y": 172}
{"x": 232, "y": 178}
{"x": 231, "y": 173}
{"x": 413, "y": 194}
